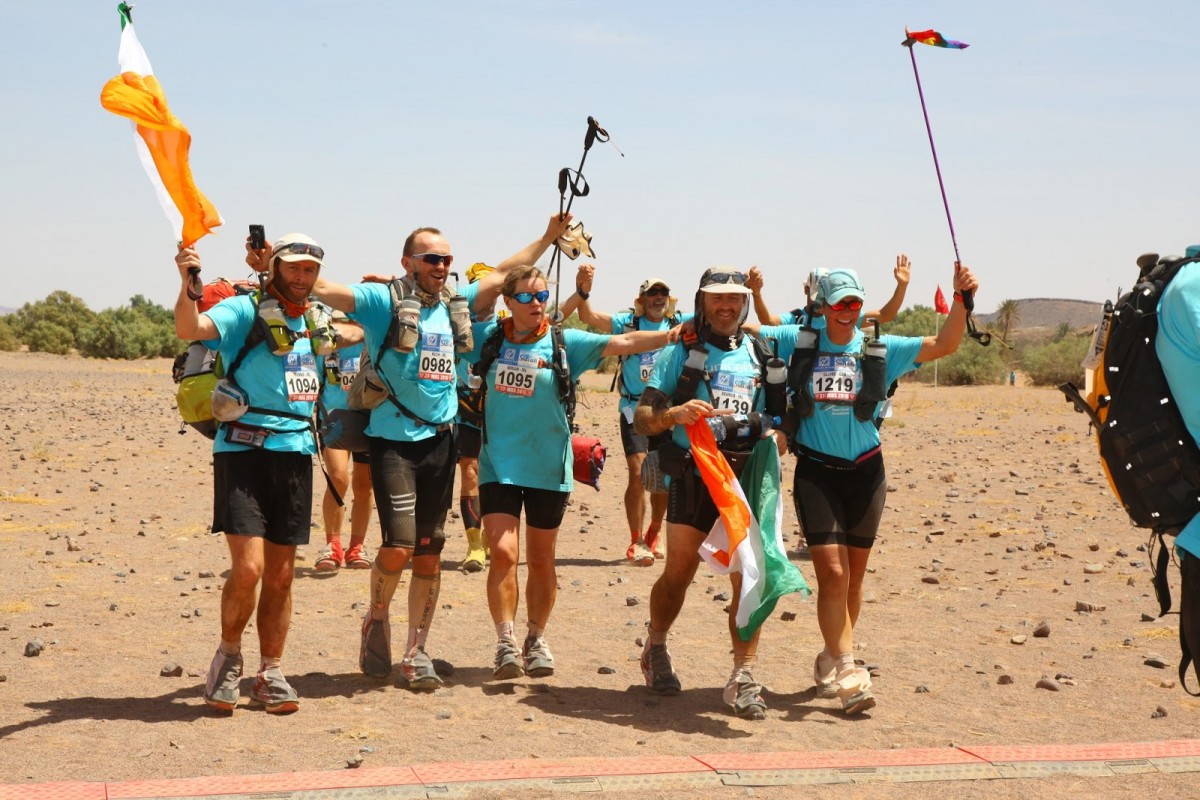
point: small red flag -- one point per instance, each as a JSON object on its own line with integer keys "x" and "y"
{"x": 939, "y": 302}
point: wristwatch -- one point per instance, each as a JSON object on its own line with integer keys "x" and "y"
{"x": 582, "y": 294}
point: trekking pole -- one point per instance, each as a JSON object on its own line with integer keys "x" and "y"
{"x": 578, "y": 186}
{"x": 935, "y": 39}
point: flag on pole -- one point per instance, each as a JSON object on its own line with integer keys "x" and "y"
{"x": 748, "y": 535}
{"x": 935, "y": 39}
{"x": 162, "y": 140}
{"x": 939, "y": 302}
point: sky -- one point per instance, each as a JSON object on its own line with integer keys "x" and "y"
{"x": 786, "y": 135}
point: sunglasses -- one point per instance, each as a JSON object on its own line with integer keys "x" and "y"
{"x": 300, "y": 248}
{"x": 656, "y": 292}
{"x": 846, "y": 305}
{"x": 433, "y": 259}
{"x": 724, "y": 277}
{"x": 524, "y": 298}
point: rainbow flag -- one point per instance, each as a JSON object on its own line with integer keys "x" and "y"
{"x": 162, "y": 140}
{"x": 748, "y": 535}
{"x": 932, "y": 37}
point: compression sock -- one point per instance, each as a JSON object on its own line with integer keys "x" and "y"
{"x": 231, "y": 648}
{"x": 383, "y": 587}
{"x": 656, "y": 637}
{"x": 535, "y": 631}
{"x": 269, "y": 663}
{"x": 423, "y": 593}
{"x": 505, "y": 631}
{"x": 468, "y": 509}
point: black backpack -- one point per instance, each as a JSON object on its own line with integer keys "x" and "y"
{"x": 1151, "y": 460}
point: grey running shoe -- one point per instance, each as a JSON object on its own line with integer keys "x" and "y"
{"x": 375, "y": 652}
{"x": 825, "y": 675}
{"x": 221, "y": 690}
{"x": 274, "y": 693}
{"x": 508, "y": 661}
{"x": 656, "y": 668}
{"x": 418, "y": 671}
{"x": 744, "y": 695}
{"x": 539, "y": 661}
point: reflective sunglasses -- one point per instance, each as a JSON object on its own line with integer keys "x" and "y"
{"x": 525, "y": 298}
{"x": 724, "y": 277}
{"x": 657, "y": 291}
{"x": 300, "y": 248}
{"x": 846, "y": 305}
{"x": 433, "y": 259}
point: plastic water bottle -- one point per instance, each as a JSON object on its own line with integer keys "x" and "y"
{"x": 776, "y": 394}
{"x": 408, "y": 319}
{"x": 741, "y": 426}
{"x": 460, "y": 323}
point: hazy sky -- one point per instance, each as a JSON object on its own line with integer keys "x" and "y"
{"x": 783, "y": 134}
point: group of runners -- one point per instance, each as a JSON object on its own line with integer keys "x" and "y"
{"x": 514, "y": 372}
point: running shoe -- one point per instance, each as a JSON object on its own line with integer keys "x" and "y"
{"x": 508, "y": 661}
{"x": 641, "y": 555}
{"x": 273, "y": 692}
{"x": 375, "y": 652}
{"x": 474, "y": 562}
{"x": 744, "y": 695}
{"x": 854, "y": 690}
{"x": 330, "y": 558}
{"x": 656, "y": 668}
{"x": 418, "y": 671}
{"x": 539, "y": 661}
{"x": 825, "y": 675}
{"x": 221, "y": 690}
{"x": 654, "y": 542}
{"x": 358, "y": 557}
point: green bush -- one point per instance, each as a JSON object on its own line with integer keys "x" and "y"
{"x": 45, "y": 336}
{"x": 143, "y": 330}
{"x": 43, "y": 325}
{"x": 8, "y": 339}
{"x": 1056, "y": 362}
{"x": 970, "y": 365}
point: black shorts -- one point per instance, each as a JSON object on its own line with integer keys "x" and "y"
{"x": 839, "y": 502}
{"x": 263, "y": 493}
{"x": 360, "y": 458}
{"x": 635, "y": 443}
{"x": 544, "y": 508}
{"x": 688, "y": 500}
{"x": 413, "y": 484}
{"x": 468, "y": 441}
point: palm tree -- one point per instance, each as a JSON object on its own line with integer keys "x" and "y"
{"x": 1008, "y": 314}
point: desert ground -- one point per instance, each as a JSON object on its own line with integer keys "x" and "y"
{"x": 999, "y": 528}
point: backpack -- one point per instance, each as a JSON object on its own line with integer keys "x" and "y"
{"x": 589, "y": 453}
{"x": 1149, "y": 456}
{"x": 804, "y": 359}
{"x": 634, "y": 324}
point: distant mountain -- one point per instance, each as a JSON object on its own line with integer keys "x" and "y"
{"x": 1045, "y": 312}
{"x": 6, "y": 310}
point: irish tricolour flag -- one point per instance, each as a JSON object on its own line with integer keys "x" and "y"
{"x": 162, "y": 141}
{"x": 748, "y": 535}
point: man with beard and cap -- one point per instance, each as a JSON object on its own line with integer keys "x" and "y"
{"x": 653, "y": 310}
{"x": 678, "y": 393}
{"x": 262, "y": 455}
{"x": 411, "y": 436}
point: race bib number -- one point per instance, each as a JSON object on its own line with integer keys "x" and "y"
{"x": 733, "y": 392}
{"x": 836, "y": 379}
{"x": 516, "y": 372}
{"x": 347, "y": 369}
{"x": 646, "y": 364}
{"x": 300, "y": 375}
{"x": 436, "y": 358}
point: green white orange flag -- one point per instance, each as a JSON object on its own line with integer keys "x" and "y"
{"x": 162, "y": 140}
{"x": 748, "y": 534}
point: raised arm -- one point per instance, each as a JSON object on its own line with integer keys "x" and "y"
{"x": 892, "y": 307}
{"x": 946, "y": 342}
{"x": 754, "y": 280}
{"x": 489, "y": 284}
{"x": 190, "y": 324}
{"x": 583, "y": 281}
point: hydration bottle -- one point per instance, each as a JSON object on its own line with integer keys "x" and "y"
{"x": 741, "y": 426}
{"x": 460, "y": 323}
{"x": 776, "y": 394}
{"x": 874, "y": 377}
{"x": 408, "y": 320}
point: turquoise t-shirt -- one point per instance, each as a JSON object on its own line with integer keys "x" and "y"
{"x": 833, "y": 429}
{"x": 1178, "y": 347}
{"x": 636, "y": 369}
{"x": 423, "y": 380}
{"x": 527, "y": 441}
{"x": 731, "y": 383}
{"x": 266, "y": 378}
{"x": 347, "y": 361}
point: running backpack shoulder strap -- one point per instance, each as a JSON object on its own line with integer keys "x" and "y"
{"x": 800, "y": 370}
{"x": 562, "y": 373}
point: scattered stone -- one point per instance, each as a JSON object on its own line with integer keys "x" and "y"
{"x": 606, "y": 671}
{"x": 207, "y": 573}
{"x": 34, "y": 648}
{"x": 788, "y": 616}
{"x": 171, "y": 670}
{"x": 1163, "y": 684}
{"x": 354, "y": 762}
{"x": 721, "y": 597}
{"x": 933, "y": 579}
{"x": 1147, "y": 617}
{"x": 444, "y": 714}
{"x": 530, "y": 717}
{"x": 1042, "y": 630}
{"x": 1018, "y": 639}
{"x": 922, "y": 689}
{"x": 1093, "y": 569}
{"x": 1159, "y": 713}
{"x": 1005, "y": 680}
{"x": 1122, "y": 553}
{"x": 632, "y": 601}
{"x": 1156, "y": 662}
{"x": 1093, "y": 547}
{"x": 1080, "y": 605}
{"x": 1048, "y": 683}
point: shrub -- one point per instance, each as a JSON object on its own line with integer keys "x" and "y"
{"x": 45, "y": 336}
{"x": 1056, "y": 362}
{"x": 42, "y": 325}
{"x": 8, "y": 339}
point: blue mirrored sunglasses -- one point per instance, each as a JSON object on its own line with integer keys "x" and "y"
{"x": 524, "y": 298}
